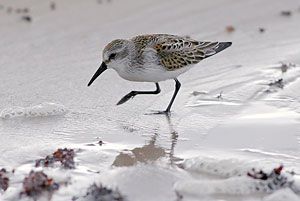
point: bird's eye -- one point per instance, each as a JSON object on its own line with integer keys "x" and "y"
{"x": 112, "y": 56}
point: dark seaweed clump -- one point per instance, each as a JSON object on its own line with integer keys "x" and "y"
{"x": 37, "y": 183}
{"x": 100, "y": 193}
{"x": 263, "y": 175}
{"x": 4, "y": 180}
{"x": 64, "y": 157}
{"x": 277, "y": 83}
{"x": 273, "y": 180}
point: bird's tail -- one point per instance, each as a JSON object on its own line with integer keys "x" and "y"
{"x": 222, "y": 46}
{"x": 216, "y": 47}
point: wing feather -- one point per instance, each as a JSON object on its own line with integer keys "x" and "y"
{"x": 175, "y": 52}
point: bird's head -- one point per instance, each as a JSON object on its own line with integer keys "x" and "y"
{"x": 114, "y": 55}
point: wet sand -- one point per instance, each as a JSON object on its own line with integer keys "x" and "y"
{"x": 231, "y": 107}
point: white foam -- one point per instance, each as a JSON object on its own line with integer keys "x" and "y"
{"x": 231, "y": 186}
{"x": 283, "y": 194}
{"x": 222, "y": 167}
{"x": 232, "y": 178}
{"x": 41, "y": 110}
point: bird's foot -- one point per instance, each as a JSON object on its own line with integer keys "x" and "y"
{"x": 154, "y": 112}
{"x": 127, "y": 97}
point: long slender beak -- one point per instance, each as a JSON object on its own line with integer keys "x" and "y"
{"x": 100, "y": 70}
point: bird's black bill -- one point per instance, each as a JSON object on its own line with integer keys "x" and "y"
{"x": 100, "y": 70}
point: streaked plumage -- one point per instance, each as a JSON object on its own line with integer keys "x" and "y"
{"x": 175, "y": 52}
{"x": 156, "y": 57}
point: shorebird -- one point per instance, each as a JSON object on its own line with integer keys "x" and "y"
{"x": 155, "y": 58}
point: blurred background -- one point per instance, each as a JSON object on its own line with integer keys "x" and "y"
{"x": 240, "y": 105}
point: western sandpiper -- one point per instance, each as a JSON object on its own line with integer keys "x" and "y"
{"x": 155, "y": 58}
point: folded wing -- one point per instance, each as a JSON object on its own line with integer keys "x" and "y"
{"x": 176, "y": 53}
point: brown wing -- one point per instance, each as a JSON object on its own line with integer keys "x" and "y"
{"x": 177, "y": 52}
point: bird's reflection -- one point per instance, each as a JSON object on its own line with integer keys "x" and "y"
{"x": 174, "y": 138}
{"x": 150, "y": 152}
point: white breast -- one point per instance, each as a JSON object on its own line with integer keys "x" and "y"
{"x": 151, "y": 71}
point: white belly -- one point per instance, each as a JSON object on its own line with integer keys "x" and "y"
{"x": 150, "y": 73}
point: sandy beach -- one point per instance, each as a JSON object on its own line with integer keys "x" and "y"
{"x": 234, "y": 128}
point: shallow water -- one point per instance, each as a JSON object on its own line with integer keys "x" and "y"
{"x": 226, "y": 109}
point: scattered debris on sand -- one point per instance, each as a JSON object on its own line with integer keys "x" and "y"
{"x": 230, "y": 29}
{"x": 64, "y": 157}
{"x": 286, "y": 13}
{"x": 179, "y": 197}
{"x": 52, "y": 5}
{"x": 262, "y": 175}
{"x": 220, "y": 96}
{"x": 277, "y": 83}
{"x": 10, "y": 9}
{"x": 98, "y": 143}
{"x": 27, "y": 18}
{"x": 37, "y": 183}
{"x": 95, "y": 193}
{"x": 197, "y": 93}
{"x": 286, "y": 66}
{"x": 22, "y": 10}
{"x": 4, "y": 180}
{"x": 261, "y": 30}
{"x": 275, "y": 178}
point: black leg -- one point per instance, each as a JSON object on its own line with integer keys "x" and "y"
{"x": 177, "y": 87}
{"x": 134, "y": 93}
{"x": 167, "y": 111}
